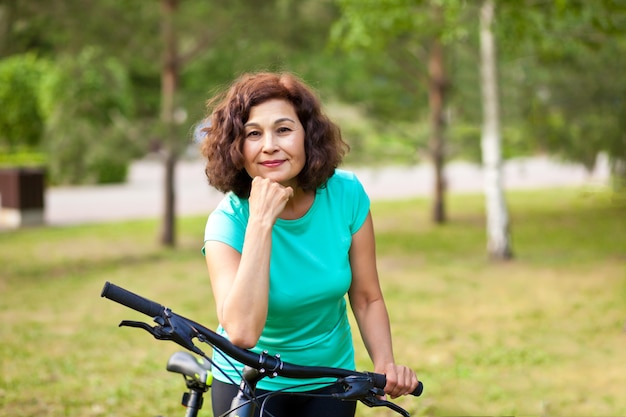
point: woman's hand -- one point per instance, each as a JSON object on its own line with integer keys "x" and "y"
{"x": 400, "y": 380}
{"x": 267, "y": 199}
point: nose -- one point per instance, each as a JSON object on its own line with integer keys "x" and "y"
{"x": 269, "y": 143}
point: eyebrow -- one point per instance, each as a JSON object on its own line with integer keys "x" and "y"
{"x": 284, "y": 119}
{"x": 277, "y": 121}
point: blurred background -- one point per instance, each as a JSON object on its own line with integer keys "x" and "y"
{"x": 89, "y": 87}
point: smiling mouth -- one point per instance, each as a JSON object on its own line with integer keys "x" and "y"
{"x": 272, "y": 164}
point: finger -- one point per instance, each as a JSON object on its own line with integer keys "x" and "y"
{"x": 392, "y": 381}
{"x": 403, "y": 382}
{"x": 410, "y": 381}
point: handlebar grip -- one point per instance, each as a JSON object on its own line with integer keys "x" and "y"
{"x": 420, "y": 388}
{"x": 380, "y": 381}
{"x": 131, "y": 300}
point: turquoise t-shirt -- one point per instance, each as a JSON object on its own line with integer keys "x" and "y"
{"x": 310, "y": 274}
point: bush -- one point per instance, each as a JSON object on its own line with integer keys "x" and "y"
{"x": 21, "y": 121}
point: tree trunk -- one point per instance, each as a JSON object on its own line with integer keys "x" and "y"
{"x": 169, "y": 84}
{"x": 168, "y": 226}
{"x": 436, "y": 96}
{"x": 498, "y": 242}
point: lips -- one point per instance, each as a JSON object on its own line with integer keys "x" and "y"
{"x": 273, "y": 164}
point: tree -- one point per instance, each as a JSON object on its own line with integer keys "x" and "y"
{"x": 169, "y": 84}
{"x": 498, "y": 242}
{"x": 419, "y": 30}
{"x": 580, "y": 137}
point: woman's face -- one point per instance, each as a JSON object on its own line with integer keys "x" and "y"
{"x": 274, "y": 142}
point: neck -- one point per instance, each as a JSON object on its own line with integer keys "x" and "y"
{"x": 298, "y": 205}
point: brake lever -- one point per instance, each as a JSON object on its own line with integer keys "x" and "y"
{"x": 159, "y": 332}
{"x": 154, "y": 331}
{"x": 377, "y": 402}
{"x": 170, "y": 328}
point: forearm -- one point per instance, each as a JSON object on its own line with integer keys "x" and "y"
{"x": 244, "y": 309}
{"x": 375, "y": 330}
{"x": 373, "y": 321}
{"x": 366, "y": 297}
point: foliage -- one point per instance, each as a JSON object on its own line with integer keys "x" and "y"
{"x": 21, "y": 121}
{"x": 86, "y": 101}
{"x": 544, "y": 47}
{"x": 486, "y": 339}
{"x": 568, "y": 60}
{"x": 555, "y": 109}
{"x": 376, "y": 24}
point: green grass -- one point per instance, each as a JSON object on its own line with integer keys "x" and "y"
{"x": 542, "y": 335}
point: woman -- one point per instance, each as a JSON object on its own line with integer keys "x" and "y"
{"x": 291, "y": 238}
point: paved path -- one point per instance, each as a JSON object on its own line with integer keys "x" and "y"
{"x": 142, "y": 196}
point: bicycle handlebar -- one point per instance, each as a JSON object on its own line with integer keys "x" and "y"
{"x": 271, "y": 364}
{"x": 131, "y": 300}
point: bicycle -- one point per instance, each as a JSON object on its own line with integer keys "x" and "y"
{"x": 366, "y": 387}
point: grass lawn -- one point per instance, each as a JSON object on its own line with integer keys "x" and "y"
{"x": 541, "y": 335}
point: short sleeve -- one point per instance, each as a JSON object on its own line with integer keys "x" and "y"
{"x": 345, "y": 188}
{"x": 361, "y": 205}
{"x": 227, "y": 223}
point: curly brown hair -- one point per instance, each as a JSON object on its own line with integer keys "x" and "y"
{"x": 229, "y": 111}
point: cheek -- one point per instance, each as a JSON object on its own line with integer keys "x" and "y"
{"x": 298, "y": 147}
{"x": 247, "y": 159}
{"x": 248, "y": 151}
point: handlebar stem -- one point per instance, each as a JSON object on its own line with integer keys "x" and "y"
{"x": 270, "y": 364}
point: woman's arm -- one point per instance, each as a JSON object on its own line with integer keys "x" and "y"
{"x": 368, "y": 305}
{"x": 240, "y": 282}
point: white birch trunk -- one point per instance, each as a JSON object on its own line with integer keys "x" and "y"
{"x": 498, "y": 245}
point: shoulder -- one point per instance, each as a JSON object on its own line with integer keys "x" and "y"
{"x": 231, "y": 209}
{"x": 343, "y": 179}
{"x": 346, "y": 185}
{"x": 227, "y": 223}
{"x": 232, "y": 205}
{"x": 346, "y": 190}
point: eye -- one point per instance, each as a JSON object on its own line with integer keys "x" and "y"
{"x": 283, "y": 129}
{"x": 253, "y": 134}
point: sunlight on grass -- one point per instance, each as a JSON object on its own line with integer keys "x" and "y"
{"x": 541, "y": 335}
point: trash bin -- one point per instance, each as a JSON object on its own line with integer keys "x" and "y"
{"x": 21, "y": 197}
